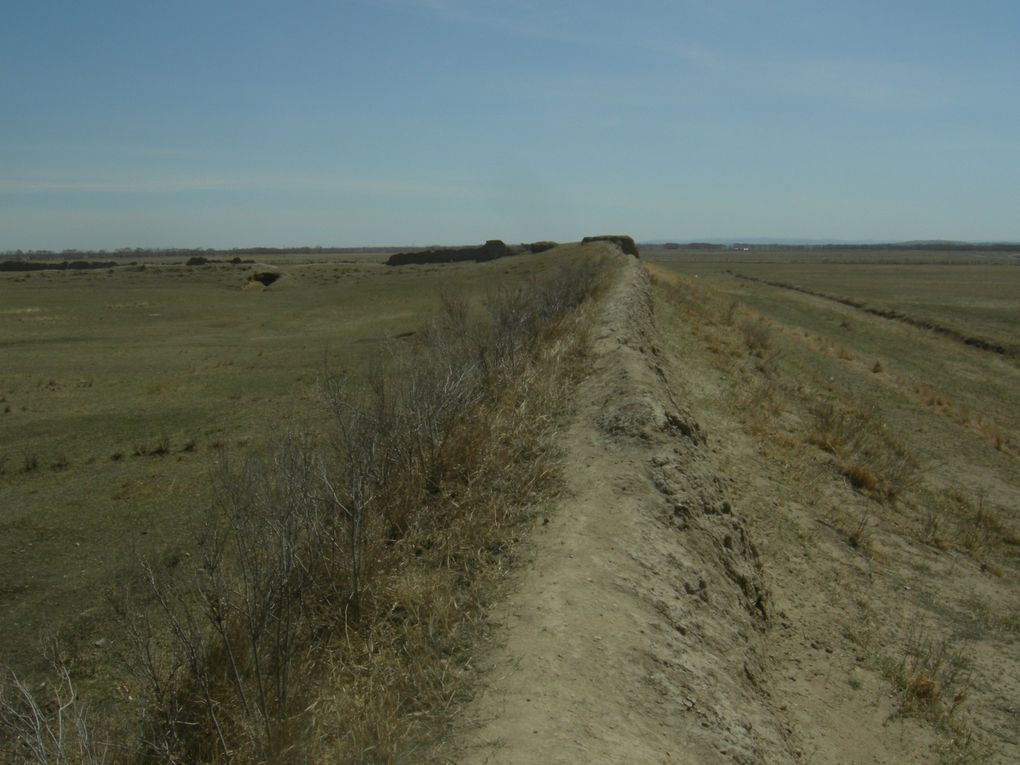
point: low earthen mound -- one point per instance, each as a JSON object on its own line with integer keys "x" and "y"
{"x": 491, "y": 250}
{"x": 542, "y": 246}
{"x": 623, "y": 241}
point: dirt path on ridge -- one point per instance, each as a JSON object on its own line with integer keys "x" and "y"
{"x": 648, "y": 628}
{"x": 636, "y": 634}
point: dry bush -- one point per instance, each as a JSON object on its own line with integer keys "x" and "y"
{"x": 757, "y": 336}
{"x": 997, "y": 435}
{"x": 973, "y": 524}
{"x": 858, "y": 532}
{"x": 339, "y": 576}
{"x": 933, "y": 677}
{"x": 930, "y": 396}
{"x": 730, "y": 313}
{"x": 48, "y": 727}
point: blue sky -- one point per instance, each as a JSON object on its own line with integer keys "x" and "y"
{"x": 404, "y": 122}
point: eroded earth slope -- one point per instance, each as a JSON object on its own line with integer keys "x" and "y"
{"x": 693, "y": 597}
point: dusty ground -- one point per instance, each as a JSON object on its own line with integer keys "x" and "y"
{"x": 694, "y": 599}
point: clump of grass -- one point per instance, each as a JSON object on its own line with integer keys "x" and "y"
{"x": 160, "y": 448}
{"x": 933, "y": 677}
{"x": 997, "y": 435}
{"x": 867, "y": 455}
{"x": 858, "y": 532}
{"x": 860, "y": 475}
{"x": 985, "y": 617}
{"x": 933, "y": 530}
{"x": 30, "y": 463}
{"x": 930, "y": 396}
{"x": 757, "y": 335}
{"x": 728, "y": 314}
{"x": 978, "y": 528}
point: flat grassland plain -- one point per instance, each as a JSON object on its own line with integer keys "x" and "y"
{"x": 869, "y": 404}
{"x": 118, "y": 388}
{"x": 862, "y": 409}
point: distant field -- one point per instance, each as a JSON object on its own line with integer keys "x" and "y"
{"x": 976, "y": 295}
{"x": 117, "y": 388}
{"x": 966, "y": 386}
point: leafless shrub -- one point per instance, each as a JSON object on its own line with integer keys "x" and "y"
{"x": 54, "y": 728}
{"x": 301, "y": 551}
{"x": 757, "y": 335}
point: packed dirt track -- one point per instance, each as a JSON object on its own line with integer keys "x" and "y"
{"x": 692, "y": 597}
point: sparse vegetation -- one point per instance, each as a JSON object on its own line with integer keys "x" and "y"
{"x": 53, "y": 728}
{"x": 374, "y": 531}
{"x": 866, "y": 454}
{"x": 757, "y": 335}
{"x": 194, "y": 358}
{"x": 357, "y": 526}
{"x": 158, "y": 448}
{"x": 933, "y": 676}
{"x": 923, "y": 448}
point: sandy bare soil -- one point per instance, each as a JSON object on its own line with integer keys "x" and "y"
{"x": 689, "y": 602}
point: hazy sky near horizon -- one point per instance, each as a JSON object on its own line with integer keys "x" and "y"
{"x": 405, "y": 122}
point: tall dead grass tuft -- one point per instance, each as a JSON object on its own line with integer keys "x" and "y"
{"x": 869, "y": 457}
{"x": 971, "y": 523}
{"x": 933, "y": 677}
{"x": 757, "y": 335}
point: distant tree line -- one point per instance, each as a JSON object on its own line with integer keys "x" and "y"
{"x": 66, "y": 265}
{"x": 491, "y": 250}
{"x": 693, "y": 246}
{"x": 177, "y": 252}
